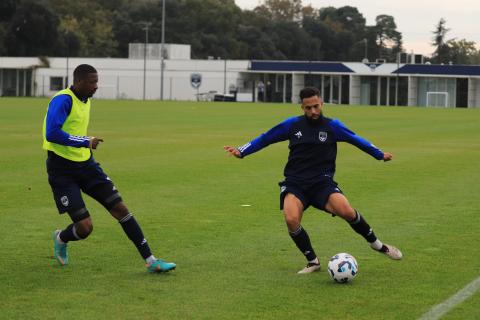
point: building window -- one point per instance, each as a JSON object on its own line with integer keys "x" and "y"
{"x": 56, "y": 83}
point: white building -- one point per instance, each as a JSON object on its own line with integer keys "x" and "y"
{"x": 121, "y": 78}
{"x": 185, "y": 79}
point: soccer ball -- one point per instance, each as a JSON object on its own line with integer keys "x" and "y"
{"x": 342, "y": 267}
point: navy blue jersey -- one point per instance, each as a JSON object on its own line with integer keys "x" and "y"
{"x": 313, "y": 147}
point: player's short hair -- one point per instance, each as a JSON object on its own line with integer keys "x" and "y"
{"x": 82, "y": 71}
{"x": 309, "y": 92}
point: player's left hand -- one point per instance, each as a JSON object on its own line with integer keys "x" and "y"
{"x": 233, "y": 151}
{"x": 94, "y": 142}
{"x": 387, "y": 156}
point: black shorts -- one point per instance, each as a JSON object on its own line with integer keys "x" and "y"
{"x": 68, "y": 179}
{"x": 312, "y": 194}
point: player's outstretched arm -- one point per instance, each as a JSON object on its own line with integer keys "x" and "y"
{"x": 233, "y": 151}
{"x": 387, "y": 156}
{"x": 276, "y": 134}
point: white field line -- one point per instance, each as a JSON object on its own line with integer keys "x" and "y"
{"x": 441, "y": 309}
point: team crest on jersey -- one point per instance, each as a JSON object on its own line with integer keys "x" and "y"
{"x": 322, "y": 135}
{"x": 64, "y": 201}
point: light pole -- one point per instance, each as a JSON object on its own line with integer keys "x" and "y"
{"x": 397, "y": 78}
{"x": 366, "y": 48}
{"x": 225, "y": 76}
{"x": 161, "y": 50}
{"x": 68, "y": 54}
{"x": 146, "y": 26}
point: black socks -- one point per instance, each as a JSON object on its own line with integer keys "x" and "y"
{"x": 135, "y": 234}
{"x": 363, "y": 228}
{"x": 301, "y": 239}
{"x": 70, "y": 234}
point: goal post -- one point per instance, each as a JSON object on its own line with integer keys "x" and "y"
{"x": 437, "y": 99}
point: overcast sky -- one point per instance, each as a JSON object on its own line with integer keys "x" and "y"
{"x": 415, "y": 19}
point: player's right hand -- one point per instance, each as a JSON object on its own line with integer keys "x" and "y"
{"x": 94, "y": 142}
{"x": 233, "y": 151}
{"x": 387, "y": 156}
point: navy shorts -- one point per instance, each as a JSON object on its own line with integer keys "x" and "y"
{"x": 313, "y": 194}
{"x": 68, "y": 179}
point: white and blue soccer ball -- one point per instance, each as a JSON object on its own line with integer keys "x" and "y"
{"x": 343, "y": 267}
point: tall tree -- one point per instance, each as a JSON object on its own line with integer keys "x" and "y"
{"x": 277, "y": 29}
{"x": 340, "y": 31}
{"x": 347, "y": 18}
{"x": 462, "y": 51}
{"x": 388, "y": 39}
{"x": 209, "y": 26}
{"x": 32, "y": 30}
{"x": 282, "y": 10}
{"x": 293, "y": 42}
{"x": 475, "y": 59}
{"x": 442, "y": 51}
{"x": 7, "y": 9}
{"x": 253, "y": 34}
{"x": 88, "y": 35}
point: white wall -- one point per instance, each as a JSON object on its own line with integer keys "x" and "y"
{"x": 18, "y": 62}
{"x": 124, "y": 78}
{"x": 298, "y": 83}
{"x": 172, "y": 51}
{"x": 354, "y": 90}
{"x": 473, "y": 93}
{"x": 412, "y": 91}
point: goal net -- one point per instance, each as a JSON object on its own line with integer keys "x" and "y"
{"x": 437, "y": 99}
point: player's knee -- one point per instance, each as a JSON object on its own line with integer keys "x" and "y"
{"x": 119, "y": 211}
{"x": 347, "y": 213}
{"x": 293, "y": 222}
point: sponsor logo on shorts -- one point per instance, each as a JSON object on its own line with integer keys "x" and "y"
{"x": 322, "y": 135}
{"x": 282, "y": 189}
{"x": 64, "y": 201}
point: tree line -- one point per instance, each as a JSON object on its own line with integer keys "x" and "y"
{"x": 276, "y": 29}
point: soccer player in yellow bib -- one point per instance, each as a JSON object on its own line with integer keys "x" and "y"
{"x": 72, "y": 170}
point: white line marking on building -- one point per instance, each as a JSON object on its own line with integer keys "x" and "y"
{"x": 441, "y": 309}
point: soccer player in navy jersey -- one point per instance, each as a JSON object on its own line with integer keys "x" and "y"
{"x": 310, "y": 170}
{"x": 72, "y": 170}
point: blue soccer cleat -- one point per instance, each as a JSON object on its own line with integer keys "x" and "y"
{"x": 59, "y": 250}
{"x": 159, "y": 266}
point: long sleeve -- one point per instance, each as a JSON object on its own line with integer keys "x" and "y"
{"x": 345, "y": 134}
{"x": 58, "y": 111}
{"x": 276, "y": 134}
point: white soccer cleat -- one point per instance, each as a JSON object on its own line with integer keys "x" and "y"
{"x": 391, "y": 252}
{"x": 311, "y": 267}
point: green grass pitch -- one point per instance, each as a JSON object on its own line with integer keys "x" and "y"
{"x": 234, "y": 261}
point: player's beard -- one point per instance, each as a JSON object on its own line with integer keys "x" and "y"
{"x": 314, "y": 121}
{"x": 91, "y": 93}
